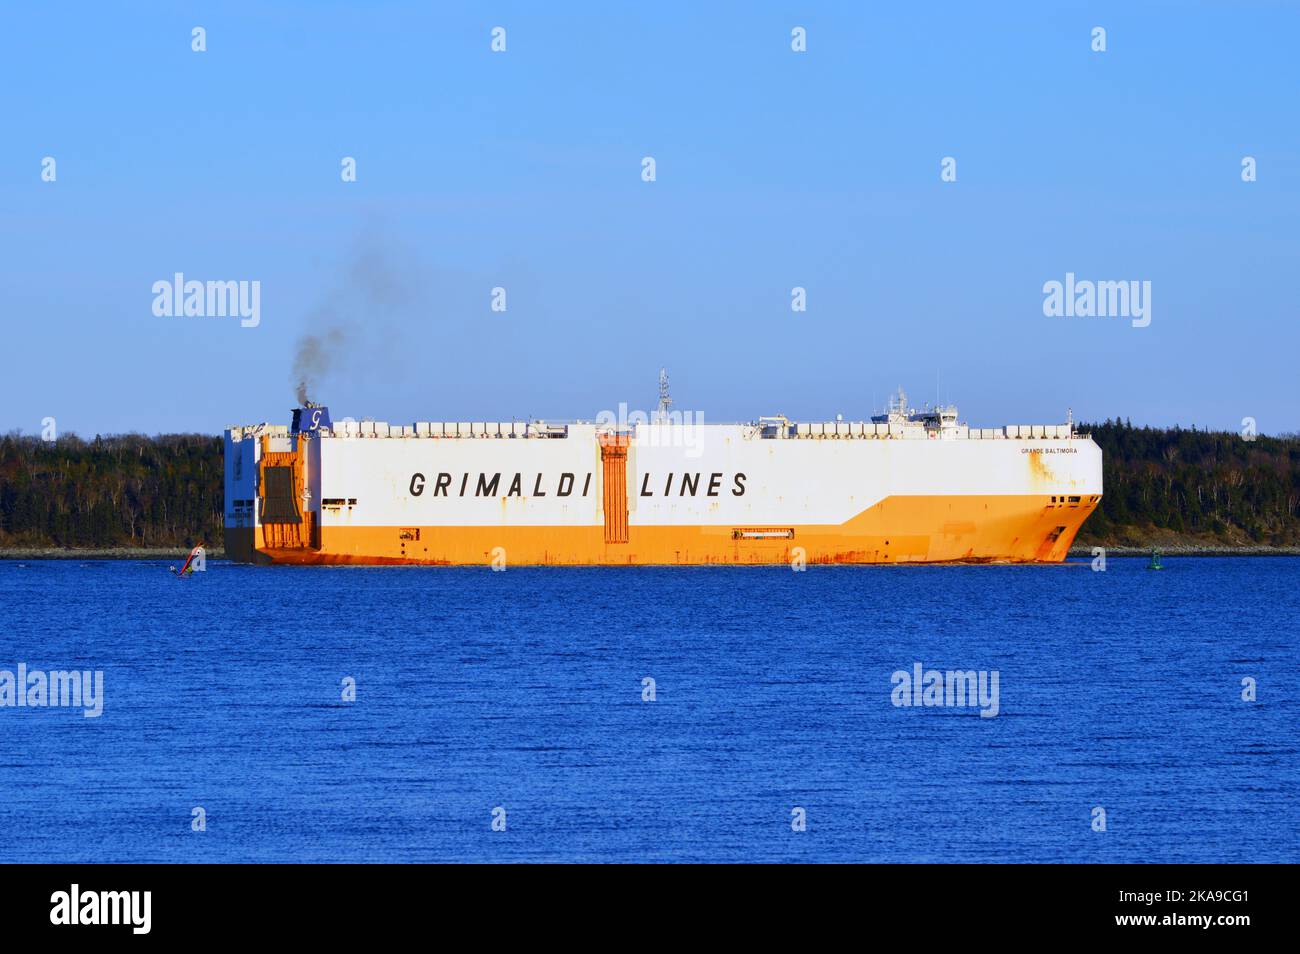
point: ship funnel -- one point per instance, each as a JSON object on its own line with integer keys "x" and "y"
{"x": 313, "y": 417}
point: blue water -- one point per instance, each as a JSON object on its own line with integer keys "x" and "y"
{"x": 523, "y": 690}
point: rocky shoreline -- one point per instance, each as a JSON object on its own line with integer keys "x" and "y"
{"x": 106, "y": 553}
{"x": 1186, "y": 550}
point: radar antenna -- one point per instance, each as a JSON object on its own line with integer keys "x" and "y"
{"x": 665, "y": 402}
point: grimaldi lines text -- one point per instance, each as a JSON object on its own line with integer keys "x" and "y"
{"x": 905, "y": 487}
{"x": 491, "y": 485}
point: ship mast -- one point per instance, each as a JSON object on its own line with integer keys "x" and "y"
{"x": 665, "y": 401}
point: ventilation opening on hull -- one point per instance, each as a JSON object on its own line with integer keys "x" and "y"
{"x": 762, "y": 533}
{"x": 613, "y": 458}
{"x": 278, "y": 504}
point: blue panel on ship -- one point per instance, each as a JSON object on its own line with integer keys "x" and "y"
{"x": 308, "y": 419}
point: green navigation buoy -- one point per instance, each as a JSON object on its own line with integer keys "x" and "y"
{"x": 1155, "y": 563}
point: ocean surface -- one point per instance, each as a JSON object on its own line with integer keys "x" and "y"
{"x": 517, "y": 696}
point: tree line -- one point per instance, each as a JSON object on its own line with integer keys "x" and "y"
{"x": 121, "y": 491}
{"x": 1214, "y": 485}
{"x": 166, "y": 491}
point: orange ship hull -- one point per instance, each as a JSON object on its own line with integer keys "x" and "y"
{"x": 899, "y": 529}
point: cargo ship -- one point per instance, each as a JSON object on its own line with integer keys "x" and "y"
{"x": 905, "y": 486}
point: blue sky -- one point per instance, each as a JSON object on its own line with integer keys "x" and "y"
{"x": 775, "y": 169}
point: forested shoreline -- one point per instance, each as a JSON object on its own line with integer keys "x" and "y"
{"x": 1178, "y": 486}
{"x": 1163, "y": 486}
{"x": 128, "y": 491}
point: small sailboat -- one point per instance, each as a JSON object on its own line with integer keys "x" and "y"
{"x": 187, "y": 570}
